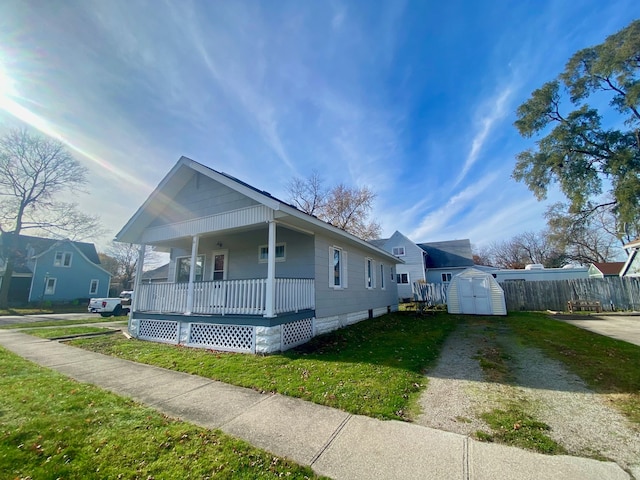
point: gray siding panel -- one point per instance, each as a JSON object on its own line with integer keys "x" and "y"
{"x": 413, "y": 262}
{"x": 202, "y": 196}
{"x": 434, "y": 275}
{"x": 356, "y": 297}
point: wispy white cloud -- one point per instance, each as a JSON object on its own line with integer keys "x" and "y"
{"x": 435, "y": 222}
{"x": 241, "y": 81}
{"x": 491, "y": 112}
{"x": 517, "y": 216}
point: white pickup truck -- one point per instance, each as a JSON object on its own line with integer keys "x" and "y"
{"x": 107, "y": 307}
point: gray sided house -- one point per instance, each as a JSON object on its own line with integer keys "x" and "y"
{"x": 157, "y": 275}
{"x": 413, "y": 268}
{"x": 434, "y": 262}
{"x": 52, "y": 270}
{"x": 248, "y": 272}
{"x": 445, "y": 260}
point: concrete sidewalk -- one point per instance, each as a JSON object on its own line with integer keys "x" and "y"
{"x": 43, "y": 317}
{"x": 332, "y": 442}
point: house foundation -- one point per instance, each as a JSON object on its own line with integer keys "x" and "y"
{"x": 244, "y": 337}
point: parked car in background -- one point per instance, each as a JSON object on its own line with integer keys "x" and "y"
{"x": 116, "y": 307}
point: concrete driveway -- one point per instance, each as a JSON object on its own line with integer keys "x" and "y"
{"x": 618, "y": 326}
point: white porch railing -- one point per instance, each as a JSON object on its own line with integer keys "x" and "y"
{"x": 245, "y": 297}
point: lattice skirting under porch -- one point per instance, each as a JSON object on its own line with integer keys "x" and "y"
{"x": 158, "y": 330}
{"x": 296, "y": 333}
{"x": 231, "y": 338}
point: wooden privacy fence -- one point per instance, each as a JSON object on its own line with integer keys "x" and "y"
{"x": 613, "y": 293}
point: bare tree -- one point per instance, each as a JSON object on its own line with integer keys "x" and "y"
{"x": 123, "y": 261}
{"x": 34, "y": 171}
{"x": 109, "y": 263}
{"x": 507, "y": 254}
{"x": 308, "y": 194}
{"x": 523, "y": 249}
{"x": 539, "y": 248}
{"x": 482, "y": 256}
{"x": 347, "y": 208}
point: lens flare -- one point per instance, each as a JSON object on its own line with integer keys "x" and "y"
{"x": 7, "y": 85}
{"x": 11, "y": 101}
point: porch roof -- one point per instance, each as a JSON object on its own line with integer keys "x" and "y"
{"x": 136, "y": 229}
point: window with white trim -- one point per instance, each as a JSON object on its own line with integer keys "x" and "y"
{"x": 398, "y": 251}
{"x": 50, "y": 286}
{"x": 337, "y": 268}
{"x": 402, "y": 278}
{"x": 369, "y": 274}
{"x": 381, "y": 276}
{"x": 263, "y": 253}
{"x": 183, "y": 266}
{"x": 62, "y": 259}
{"x": 446, "y": 277}
{"x": 93, "y": 286}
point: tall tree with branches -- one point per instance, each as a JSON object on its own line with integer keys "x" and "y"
{"x": 347, "y": 208}
{"x": 34, "y": 172}
{"x": 122, "y": 262}
{"x": 308, "y": 194}
{"x": 588, "y": 239}
{"x": 588, "y": 151}
{"x": 523, "y": 249}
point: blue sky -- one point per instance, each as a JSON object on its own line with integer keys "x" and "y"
{"x": 414, "y": 99}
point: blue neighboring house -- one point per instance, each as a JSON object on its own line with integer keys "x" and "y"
{"x": 53, "y": 270}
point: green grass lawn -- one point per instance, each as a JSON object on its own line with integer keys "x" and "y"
{"x": 58, "y": 332}
{"x": 514, "y": 425}
{"x": 605, "y": 364}
{"x": 54, "y": 427}
{"x": 373, "y": 368}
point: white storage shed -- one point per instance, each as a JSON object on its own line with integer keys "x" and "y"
{"x": 477, "y": 293}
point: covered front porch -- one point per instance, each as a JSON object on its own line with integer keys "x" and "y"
{"x": 227, "y": 297}
{"x": 238, "y": 281}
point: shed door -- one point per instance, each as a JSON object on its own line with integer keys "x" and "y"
{"x": 482, "y": 293}
{"x": 474, "y": 295}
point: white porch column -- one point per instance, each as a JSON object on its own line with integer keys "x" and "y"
{"x": 138, "y": 282}
{"x": 271, "y": 272}
{"x": 192, "y": 273}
